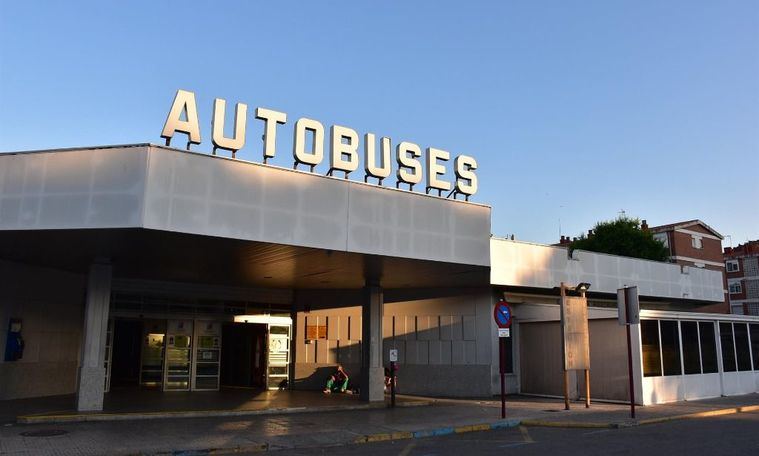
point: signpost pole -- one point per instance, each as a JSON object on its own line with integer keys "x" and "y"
{"x": 503, "y": 372}
{"x": 392, "y": 384}
{"x": 629, "y": 353}
{"x": 564, "y": 350}
{"x": 502, "y": 317}
{"x": 587, "y": 376}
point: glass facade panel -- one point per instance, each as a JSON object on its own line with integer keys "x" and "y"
{"x": 754, "y": 329}
{"x": 691, "y": 357}
{"x": 670, "y": 347}
{"x": 708, "y": 347}
{"x": 741, "y": 346}
{"x": 728, "y": 350}
{"x": 649, "y": 334}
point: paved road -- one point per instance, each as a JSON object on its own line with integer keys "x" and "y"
{"x": 729, "y": 435}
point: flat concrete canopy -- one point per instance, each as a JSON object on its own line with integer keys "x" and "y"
{"x": 162, "y": 255}
{"x": 168, "y": 214}
{"x": 153, "y": 187}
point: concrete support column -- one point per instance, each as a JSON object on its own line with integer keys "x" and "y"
{"x": 89, "y": 395}
{"x": 372, "y": 370}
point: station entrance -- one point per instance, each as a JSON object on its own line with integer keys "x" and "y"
{"x": 182, "y": 354}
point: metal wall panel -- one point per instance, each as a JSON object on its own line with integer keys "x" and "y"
{"x": 89, "y": 188}
{"x": 397, "y": 223}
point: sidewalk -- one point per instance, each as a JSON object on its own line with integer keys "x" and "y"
{"x": 272, "y": 432}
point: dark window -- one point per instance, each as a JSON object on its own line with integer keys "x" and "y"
{"x": 649, "y": 334}
{"x": 741, "y": 346}
{"x": 708, "y": 347}
{"x": 670, "y": 347}
{"x": 755, "y": 344}
{"x": 728, "y": 350}
{"x": 691, "y": 357}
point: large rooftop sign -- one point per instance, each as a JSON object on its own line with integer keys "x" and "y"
{"x": 309, "y": 148}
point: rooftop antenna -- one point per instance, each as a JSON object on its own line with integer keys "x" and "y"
{"x": 622, "y": 213}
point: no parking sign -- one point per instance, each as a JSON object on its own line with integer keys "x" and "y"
{"x": 502, "y": 317}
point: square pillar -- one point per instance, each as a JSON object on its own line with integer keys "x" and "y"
{"x": 91, "y": 388}
{"x": 372, "y": 370}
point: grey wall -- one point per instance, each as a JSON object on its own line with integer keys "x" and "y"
{"x": 521, "y": 264}
{"x": 608, "y": 361}
{"x": 50, "y": 303}
{"x": 442, "y": 337}
{"x": 540, "y": 366}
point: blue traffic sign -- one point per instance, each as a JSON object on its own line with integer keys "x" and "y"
{"x": 502, "y": 314}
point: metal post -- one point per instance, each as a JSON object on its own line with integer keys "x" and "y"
{"x": 564, "y": 350}
{"x": 503, "y": 372}
{"x": 392, "y": 383}
{"x": 587, "y": 388}
{"x": 587, "y": 372}
{"x": 629, "y": 357}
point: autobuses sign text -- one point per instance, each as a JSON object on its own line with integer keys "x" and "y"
{"x": 343, "y": 148}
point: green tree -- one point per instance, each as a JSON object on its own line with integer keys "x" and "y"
{"x": 622, "y": 236}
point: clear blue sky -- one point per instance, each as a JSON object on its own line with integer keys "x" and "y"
{"x": 574, "y": 110}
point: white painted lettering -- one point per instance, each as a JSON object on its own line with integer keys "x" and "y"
{"x": 217, "y": 126}
{"x": 271, "y": 119}
{"x": 343, "y": 155}
{"x": 316, "y": 155}
{"x": 184, "y": 103}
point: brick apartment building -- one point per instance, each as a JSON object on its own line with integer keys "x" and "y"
{"x": 742, "y": 268}
{"x": 693, "y": 243}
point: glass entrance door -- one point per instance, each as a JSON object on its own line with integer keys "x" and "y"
{"x": 151, "y": 364}
{"x": 278, "y": 366}
{"x": 176, "y": 376}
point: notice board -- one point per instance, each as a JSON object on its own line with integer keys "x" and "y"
{"x": 314, "y": 332}
{"x": 574, "y": 328}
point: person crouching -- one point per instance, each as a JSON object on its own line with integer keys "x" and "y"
{"x": 337, "y": 381}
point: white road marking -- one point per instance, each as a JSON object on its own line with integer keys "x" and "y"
{"x": 408, "y": 449}
{"x": 525, "y": 435}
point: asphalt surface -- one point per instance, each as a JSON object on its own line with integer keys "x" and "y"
{"x": 726, "y": 435}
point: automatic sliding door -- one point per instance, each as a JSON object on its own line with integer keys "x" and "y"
{"x": 207, "y": 357}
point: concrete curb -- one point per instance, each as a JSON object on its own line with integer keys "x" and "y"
{"x": 624, "y": 424}
{"x": 87, "y": 417}
{"x": 400, "y": 435}
{"x": 440, "y": 431}
{"x": 705, "y": 414}
{"x": 567, "y": 424}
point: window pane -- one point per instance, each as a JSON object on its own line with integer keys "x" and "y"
{"x": 691, "y": 357}
{"x": 649, "y": 334}
{"x": 755, "y": 344}
{"x": 741, "y": 346}
{"x": 728, "y": 353}
{"x": 670, "y": 347}
{"x": 708, "y": 347}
